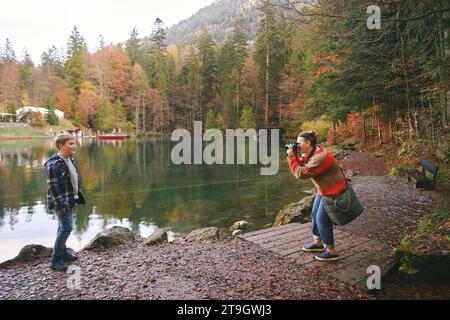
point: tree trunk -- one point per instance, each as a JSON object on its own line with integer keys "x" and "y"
{"x": 143, "y": 114}
{"x": 267, "y": 85}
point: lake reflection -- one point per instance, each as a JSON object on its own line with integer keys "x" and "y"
{"x": 134, "y": 184}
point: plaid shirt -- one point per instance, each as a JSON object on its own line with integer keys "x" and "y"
{"x": 59, "y": 188}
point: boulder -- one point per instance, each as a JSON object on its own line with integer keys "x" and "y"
{"x": 29, "y": 253}
{"x": 239, "y": 225}
{"x": 112, "y": 237}
{"x": 204, "y": 234}
{"x": 349, "y": 145}
{"x": 339, "y": 154}
{"x": 443, "y": 151}
{"x": 295, "y": 212}
{"x": 159, "y": 236}
{"x": 237, "y": 232}
{"x": 425, "y": 259}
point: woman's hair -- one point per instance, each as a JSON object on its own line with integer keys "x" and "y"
{"x": 309, "y": 136}
{"x": 61, "y": 140}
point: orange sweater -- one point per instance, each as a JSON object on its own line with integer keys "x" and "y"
{"x": 323, "y": 170}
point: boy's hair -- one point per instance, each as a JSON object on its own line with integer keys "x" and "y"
{"x": 61, "y": 139}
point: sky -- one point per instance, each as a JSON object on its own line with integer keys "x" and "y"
{"x": 38, "y": 25}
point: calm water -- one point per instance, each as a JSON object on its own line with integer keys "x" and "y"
{"x": 134, "y": 184}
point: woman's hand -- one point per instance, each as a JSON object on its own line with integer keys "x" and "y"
{"x": 62, "y": 211}
{"x": 290, "y": 152}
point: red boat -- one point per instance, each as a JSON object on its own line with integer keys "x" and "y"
{"x": 113, "y": 136}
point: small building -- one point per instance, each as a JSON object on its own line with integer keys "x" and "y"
{"x": 22, "y": 111}
{"x": 6, "y": 116}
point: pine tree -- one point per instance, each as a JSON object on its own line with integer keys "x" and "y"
{"x": 26, "y": 69}
{"x": 159, "y": 66}
{"x": 239, "y": 39}
{"x": 119, "y": 114}
{"x": 132, "y": 47}
{"x": 52, "y": 62}
{"x": 74, "y": 67}
{"x": 211, "y": 122}
{"x": 207, "y": 56}
{"x": 51, "y": 117}
{"x": 271, "y": 52}
{"x": 247, "y": 120}
{"x": 8, "y": 54}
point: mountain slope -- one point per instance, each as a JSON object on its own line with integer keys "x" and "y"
{"x": 219, "y": 18}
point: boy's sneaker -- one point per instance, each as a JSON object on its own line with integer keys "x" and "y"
{"x": 313, "y": 248}
{"x": 327, "y": 257}
{"x": 59, "y": 266}
{"x": 68, "y": 256}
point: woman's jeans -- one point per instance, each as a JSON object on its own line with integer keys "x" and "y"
{"x": 65, "y": 226}
{"x": 322, "y": 225}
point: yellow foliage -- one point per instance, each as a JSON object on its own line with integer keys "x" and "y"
{"x": 320, "y": 126}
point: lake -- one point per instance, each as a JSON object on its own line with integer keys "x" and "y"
{"x": 134, "y": 183}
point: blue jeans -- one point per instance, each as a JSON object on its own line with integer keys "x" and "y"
{"x": 322, "y": 225}
{"x": 65, "y": 226}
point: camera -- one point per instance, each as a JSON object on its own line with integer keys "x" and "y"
{"x": 294, "y": 145}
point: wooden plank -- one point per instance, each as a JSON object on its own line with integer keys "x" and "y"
{"x": 341, "y": 237}
{"x": 297, "y": 241}
{"x": 356, "y": 253}
{"x": 345, "y": 249}
{"x": 295, "y": 233}
{"x": 270, "y": 230}
{"x": 294, "y": 228}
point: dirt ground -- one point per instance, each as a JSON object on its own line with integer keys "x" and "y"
{"x": 235, "y": 269}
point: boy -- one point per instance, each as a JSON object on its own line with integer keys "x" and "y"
{"x": 62, "y": 195}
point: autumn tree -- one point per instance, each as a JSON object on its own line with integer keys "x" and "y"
{"x": 9, "y": 78}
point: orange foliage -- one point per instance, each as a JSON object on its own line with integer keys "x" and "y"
{"x": 88, "y": 102}
{"x": 109, "y": 69}
{"x": 64, "y": 101}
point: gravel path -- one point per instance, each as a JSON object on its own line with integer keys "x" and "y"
{"x": 231, "y": 269}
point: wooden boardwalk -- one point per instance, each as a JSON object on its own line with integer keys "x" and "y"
{"x": 356, "y": 253}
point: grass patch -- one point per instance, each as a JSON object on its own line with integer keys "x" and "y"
{"x": 423, "y": 253}
{"x": 21, "y": 132}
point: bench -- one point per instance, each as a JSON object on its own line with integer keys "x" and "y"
{"x": 420, "y": 178}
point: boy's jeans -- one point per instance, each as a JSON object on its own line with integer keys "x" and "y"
{"x": 65, "y": 226}
{"x": 322, "y": 225}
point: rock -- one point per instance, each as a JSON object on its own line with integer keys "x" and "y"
{"x": 310, "y": 192}
{"x": 349, "y": 145}
{"x": 239, "y": 225}
{"x": 425, "y": 259}
{"x": 112, "y": 237}
{"x": 237, "y": 232}
{"x": 295, "y": 212}
{"x": 339, "y": 154}
{"x": 204, "y": 234}
{"x": 29, "y": 253}
{"x": 159, "y": 236}
{"x": 349, "y": 174}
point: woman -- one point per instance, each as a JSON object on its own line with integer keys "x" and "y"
{"x": 319, "y": 165}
